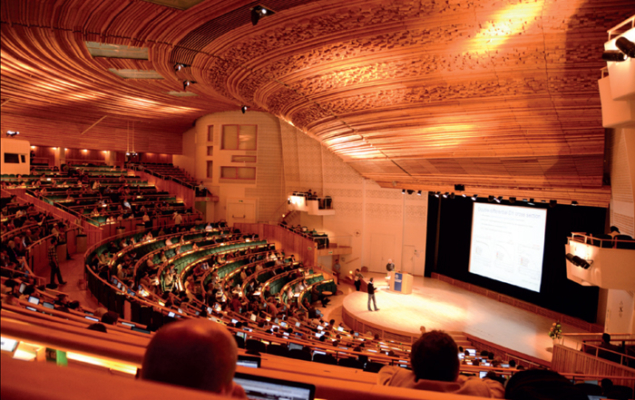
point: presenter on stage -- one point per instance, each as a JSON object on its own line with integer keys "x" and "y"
{"x": 371, "y": 295}
{"x": 389, "y": 268}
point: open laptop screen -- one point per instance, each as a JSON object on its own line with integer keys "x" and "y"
{"x": 258, "y": 387}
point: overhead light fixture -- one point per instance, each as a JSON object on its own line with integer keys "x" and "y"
{"x": 499, "y": 199}
{"x": 574, "y": 203}
{"x": 452, "y": 195}
{"x": 474, "y": 197}
{"x": 12, "y": 133}
{"x": 259, "y": 12}
{"x": 403, "y": 191}
{"x": 410, "y": 191}
{"x": 531, "y": 202}
{"x": 490, "y": 199}
{"x": 552, "y": 203}
{"x": 626, "y": 46}
{"x": 187, "y": 84}
{"x": 437, "y": 194}
{"x": 512, "y": 200}
{"x": 178, "y": 67}
{"x": 419, "y": 193}
{"x": 613, "y": 56}
{"x": 446, "y": 194}
{"x": 243, "y": 109}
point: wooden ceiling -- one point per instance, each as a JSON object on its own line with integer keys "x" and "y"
{"x": 498, "y": 95}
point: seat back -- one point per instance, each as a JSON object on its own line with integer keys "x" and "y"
{"x": 351, "y": 363}
{"x": 325, "y": 359}
{"x": 255, "y": 346}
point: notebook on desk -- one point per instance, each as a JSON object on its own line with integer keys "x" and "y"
{"x": 258, "y": 387}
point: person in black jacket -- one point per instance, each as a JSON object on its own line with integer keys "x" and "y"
{"x": 371, "y": 295}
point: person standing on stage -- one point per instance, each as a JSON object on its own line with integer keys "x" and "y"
{"x": 390, "y": 266}
{"x": 54, "y": 264}
{"x": 371, "y": 295}
{"x": 358, "y": 279}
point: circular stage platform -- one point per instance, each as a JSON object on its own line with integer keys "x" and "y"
{"x": 439, "y": 305}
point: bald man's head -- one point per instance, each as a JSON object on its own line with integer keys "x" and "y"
{"x": 196, "y": 353}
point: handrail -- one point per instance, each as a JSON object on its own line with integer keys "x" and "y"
{"x": 593, "y": 238}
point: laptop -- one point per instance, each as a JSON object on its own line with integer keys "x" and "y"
{"x": 258, "y": 387}
{"x": 248, "y": 361}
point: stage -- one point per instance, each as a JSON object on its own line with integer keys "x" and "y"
{"x": 439, "y": 305}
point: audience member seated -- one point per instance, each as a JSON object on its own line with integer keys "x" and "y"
{"x": 435, "y": 367}
{"x": 198, "y": 354}
{"x": 542, "y": 384}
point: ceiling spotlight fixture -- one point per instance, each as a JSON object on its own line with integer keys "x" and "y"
{"x": 178, "y": 67}
{"x": 12, "y": 133}
{"x": 490, "y": 199}
{"x": 437, "y": 194}
{"x": 531, "y": 202}
{"x": 499, "y": 199}
{"x": 452, "y": 195}
{"x": 419, "y": 193}
{"x": 474, "y": 197}
{"x": 259, "y": 12}
{"x": 574, "y": 203}
{"x": 626, "y": 46}
{"x": 578, "y": 262}
{"x": 243, "y": 109}
{"x": 512, "y": 200}
{"x": 446, "y": 194}
{"x": 187, "y": 84}
{"x": 410, "y": 191}
{"x": 403, "y": 191}
{"x": 613, "y": 56}
{"x": 552, "y": 203}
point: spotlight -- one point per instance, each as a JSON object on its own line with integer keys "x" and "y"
{"x": 475, "y": 197}
{"x": 437, "y": 194}
{"x": 613, "y": 56}
{"x": 446, "y": 194}
{"x": 498, "y": 199}
{"x": 574, "y": 203}
{"x": 531, "y": 202}
{"x": 490, "y": 199}
{"x": 403, "y": 191}
{"x": 578, "y": 262}
{"x": 452, "y": 195}
{"x": 626, "y": 46}
{"x": 259, "y": 12}
{"x": 552, "y": 203}
{"x": 570, "y": 257}
{"x": 243, "y": 109}
{"x": 512, "y": 200}
{"x": 464, "y": 195}
{"x": 12, "y": 133}
{"x": 419, "y": 193}
{"x": 187, "y": 84}
{"x": 410, "y": 191}
{"x": 178, "y": 67}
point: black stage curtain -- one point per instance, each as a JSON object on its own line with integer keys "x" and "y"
{"x": 557, "y": 293}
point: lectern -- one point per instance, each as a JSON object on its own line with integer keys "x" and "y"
{"x": 400, "y": 282}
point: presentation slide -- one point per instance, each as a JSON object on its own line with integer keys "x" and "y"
{"x": 508, "y": 244}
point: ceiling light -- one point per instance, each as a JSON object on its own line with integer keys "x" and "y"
{"x": 437, "y": 194}
{"x": 187, "y": 84}
{"x": 626, "y": 46}
{"x": 552, "y": 203}
{"x": 613, "y": 56}
{"x": 403, "y": 191}
{"x": 243, "y": 109}
{"x": 259, "y": 12}
{"x": 499, "y": 199}
{"x": 446, "y": 194}
{"x": 419, "y": 193}
{"x": 490, "y": 199}
{"x": 475, "y": 197}
{"x": 512, "y": 200}
{"x": 12, "y": 133}
{"x": 452, "y": 195}
{"x": 410, "y": 191}
{"x": 574, "y": 203}
{"x": 178, "y": 67}
{"x": 531, "y": 202}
